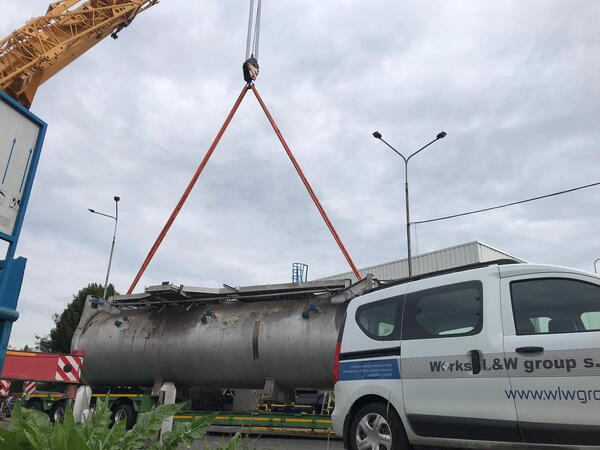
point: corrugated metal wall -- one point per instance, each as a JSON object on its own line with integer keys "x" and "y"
{"x": 447, "y": 258}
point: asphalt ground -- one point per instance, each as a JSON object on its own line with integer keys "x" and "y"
{"x": 211, "y": 442}
{"x": 271, "y": 443}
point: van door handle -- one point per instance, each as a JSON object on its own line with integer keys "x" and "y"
{"x": 531, "y": 349}
{"x": 475, "y": 361}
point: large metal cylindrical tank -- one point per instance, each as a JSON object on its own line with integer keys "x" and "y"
{"x": 239, "y": 346}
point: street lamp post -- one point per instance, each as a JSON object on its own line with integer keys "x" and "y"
{"x": 377, "y": 135}
{"x": 596, "y": 262}
{"x": 112, "y": 247}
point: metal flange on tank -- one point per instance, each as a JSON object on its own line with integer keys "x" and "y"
{"x": 310, "y": 308}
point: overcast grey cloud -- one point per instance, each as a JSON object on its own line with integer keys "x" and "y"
{"x": 515, "y": 85}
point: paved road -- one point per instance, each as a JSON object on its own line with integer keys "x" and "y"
{"x": 272, "y": 443}
{"x": 211, "y": 442}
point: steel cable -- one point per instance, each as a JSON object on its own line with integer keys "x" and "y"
{"x": 249, "y": 38}
{"x": 253, "y": 37}
{"x": 257, "y": 29}
{"x": 452, "y": 216}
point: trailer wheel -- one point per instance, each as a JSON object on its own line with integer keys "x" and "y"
{"x": 34, "y": 403}
{"x": 57, "y": 412}
{"x": 124, "y": 410}
{"x": 375, "y": 426}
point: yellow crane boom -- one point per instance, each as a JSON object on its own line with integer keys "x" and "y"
{"x": 45, "y": 45}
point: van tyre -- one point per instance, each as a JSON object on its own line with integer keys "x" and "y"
{"x": 376, "y": 426}
{"x": 124, "y": 411}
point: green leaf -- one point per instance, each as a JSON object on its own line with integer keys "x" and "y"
{"x": 32, "y": 427}
{"x": 16, "y": 418}
{"x": 76, "y": 442}
{"x": 114, "y": 435}
{"x": 32, "y": 430}
{"x": 36, "y": 438}
{"x": 17, "y": 421}
{"x": 95, "y": 429}
{"x": 232, "y": 444}
{"x": 148, "y": 425}
{"x": 38, "y": 420}
{"x": 69, "y": 421}
{"x": 234, "y": 441}
{"x": 8, "y": 440}
{"x": 160, "y": 446}
{"x": 59, "y": 437}
{"x": 185, "y": 433}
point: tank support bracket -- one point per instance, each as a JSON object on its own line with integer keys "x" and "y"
{"x": 167, "y": 397}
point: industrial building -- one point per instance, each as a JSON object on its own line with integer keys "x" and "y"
{"x": 447, "y": 258}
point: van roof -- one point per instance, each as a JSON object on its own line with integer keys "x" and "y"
{"x": 507, "y": 267}
{"x": 438, "y": 273}
{"x": 526, "y": 269}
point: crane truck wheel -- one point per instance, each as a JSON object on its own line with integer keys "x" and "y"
{"x": 377, "y": 426}
{"x": 57, "y": 412}
{"x": 34, "y": 403}
{"x": 124, "y": 410}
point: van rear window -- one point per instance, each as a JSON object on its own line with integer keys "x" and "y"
{"x": 378, "y": 319}
{"x": 443, "y": 312}
{"x": 555, "y": 305}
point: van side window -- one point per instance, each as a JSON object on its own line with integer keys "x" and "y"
{"x": 447, "y": 311}
{"x": 378, "y": 319}
{"x": 555, "y": 305}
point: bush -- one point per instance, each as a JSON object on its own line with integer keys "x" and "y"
{"x": 32, "y": 430}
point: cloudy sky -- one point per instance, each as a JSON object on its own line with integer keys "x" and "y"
{"x": 514, "y": 84}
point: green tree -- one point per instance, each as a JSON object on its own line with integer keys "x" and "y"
{"x": 59, "y": 339}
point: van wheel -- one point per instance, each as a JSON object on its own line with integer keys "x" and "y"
{"x": 377, "y": 427}
{"x": 124, "y": 411}
{"x": 57, "y": 412}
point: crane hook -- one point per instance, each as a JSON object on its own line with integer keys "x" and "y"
{"x": 250, "y": 69}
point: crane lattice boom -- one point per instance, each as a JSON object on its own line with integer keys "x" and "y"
{"x": 45, "y": 45}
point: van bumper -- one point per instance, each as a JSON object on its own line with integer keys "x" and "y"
{"x": 342, "y": 406}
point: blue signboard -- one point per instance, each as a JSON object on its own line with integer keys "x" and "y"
{"x": 21, "y": 138}
{"x": 372, "y": 369}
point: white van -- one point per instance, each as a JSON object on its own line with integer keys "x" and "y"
{"x": 503, "y": 356}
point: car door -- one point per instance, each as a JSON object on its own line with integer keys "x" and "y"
{"x": 552, "y": 327}
{"x": 452, "y": 365}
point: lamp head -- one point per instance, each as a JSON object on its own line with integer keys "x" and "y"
{"x": 117, "y": 198}
{"x": 91, "y": 210}
{"x": 377, "y": 135}
{"x": 441, "y": 134}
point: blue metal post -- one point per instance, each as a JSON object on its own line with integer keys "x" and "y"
{"x": 11, "y": 269}
{"x": 11, "y": 272}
